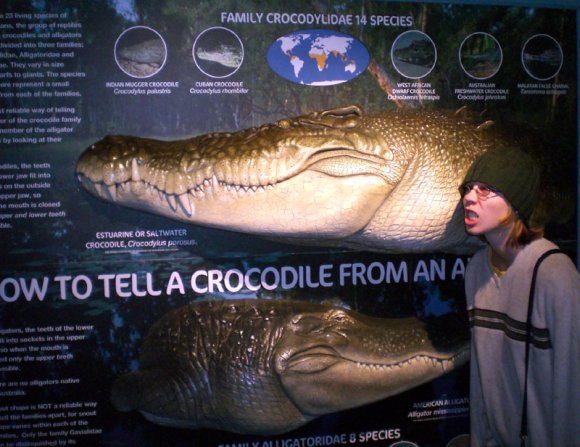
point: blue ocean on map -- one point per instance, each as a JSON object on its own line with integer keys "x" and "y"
{"x": 318, "y": 57}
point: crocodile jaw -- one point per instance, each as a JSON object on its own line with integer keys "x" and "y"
{"x": 330, "y": 206}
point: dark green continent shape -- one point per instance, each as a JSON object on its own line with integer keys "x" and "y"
{"x": 268, "y": 367}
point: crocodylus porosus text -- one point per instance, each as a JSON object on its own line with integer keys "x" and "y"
{"x": 268, "y": 367}
{"x": 385, "y": 181}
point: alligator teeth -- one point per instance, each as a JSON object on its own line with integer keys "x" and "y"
{"x": 435, "y": 363}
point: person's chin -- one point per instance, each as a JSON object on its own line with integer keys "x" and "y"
{"x": 472, "y": 230}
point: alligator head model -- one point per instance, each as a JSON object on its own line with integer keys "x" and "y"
{"x": 268, "y": 367}
{"x": 386, "y": 182}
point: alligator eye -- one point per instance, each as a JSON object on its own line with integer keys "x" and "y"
{"x": 284, "y": 124}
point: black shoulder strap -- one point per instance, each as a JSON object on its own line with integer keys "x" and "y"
{"x": 524, "y": 425}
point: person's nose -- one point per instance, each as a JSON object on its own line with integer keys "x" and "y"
{"x": 470, "y": 197}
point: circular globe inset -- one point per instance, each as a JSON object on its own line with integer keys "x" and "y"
{"x": 480, "y": 56}
{"x": 413, "y": 54}
{"x": 218, "y": 52}
{"x": 140, "y": 52}
{"x": 542, "y": 57}
{"x": 318, "y": 57}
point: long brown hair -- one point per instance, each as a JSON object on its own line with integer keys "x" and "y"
{"x": 521, "y": 234}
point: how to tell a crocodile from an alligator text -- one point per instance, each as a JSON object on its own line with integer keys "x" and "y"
{"x": 247, "y": 282}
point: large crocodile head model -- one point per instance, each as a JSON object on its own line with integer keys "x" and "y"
{"x": 268, "y": 367}
{"x": 385, "y": 182}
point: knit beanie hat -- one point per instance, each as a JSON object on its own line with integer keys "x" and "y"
{"x": 512, "y": 172}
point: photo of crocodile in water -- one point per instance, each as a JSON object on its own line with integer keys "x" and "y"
{"x": 414, "y": 54}
{"x": 218, "y": 52}
{"x": 480, "y": 55}
{"x": 542, "y": 57}
{"x": 140, "y": 52}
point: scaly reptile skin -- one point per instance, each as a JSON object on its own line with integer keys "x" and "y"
{"x": 385, "y": 181}
{"x": 268, "y": 367}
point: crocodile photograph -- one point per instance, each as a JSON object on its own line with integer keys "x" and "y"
{"x": 270, "y": 366}
{"x": 384, "y": 181}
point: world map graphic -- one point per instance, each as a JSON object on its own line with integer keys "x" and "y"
{"x": 318, "y": 57}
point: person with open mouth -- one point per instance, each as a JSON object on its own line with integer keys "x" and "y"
{"x": 524, "y": 316}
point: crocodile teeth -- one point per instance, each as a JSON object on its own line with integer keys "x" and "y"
{"x": 90, "y": 186}
{"x": 183, "y": 200}
{"x": 172, "y": 201}
{"x": 138, "y": 188}
{"x": 135, "y": 176}
{"x": 109, "y": 191}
